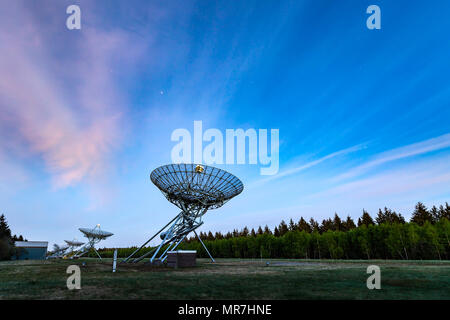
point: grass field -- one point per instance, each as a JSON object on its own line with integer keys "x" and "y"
{"x": 227, "y": 279}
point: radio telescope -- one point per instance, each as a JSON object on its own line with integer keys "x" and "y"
{"x": 58, "y": 251}
{"x": 94, "y": 236}
{"x": 194, "y": 189}
{"x": 72, "y": 244}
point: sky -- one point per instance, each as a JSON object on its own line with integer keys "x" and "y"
{"x": 86, "y": 115}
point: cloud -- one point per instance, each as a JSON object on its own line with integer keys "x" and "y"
{"x": 423, "y": 147}
{"x": 67, "y": 111}
{"x": 399, "y": 188}
{"x": 308, "y": 165}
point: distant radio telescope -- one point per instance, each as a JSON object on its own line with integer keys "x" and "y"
{"x": 72, "y": 244}
{"x": 94, "y": 236}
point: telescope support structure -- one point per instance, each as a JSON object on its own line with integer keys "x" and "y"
{"x": 87, "y": 247}
{"x": 172, "y": 235}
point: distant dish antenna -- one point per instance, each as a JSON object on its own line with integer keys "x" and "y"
{"x": 194, "y": 189}
{"x": 72, "y": 244}
{"x": 58, "y": 251}
{"x": 94, "y": 236}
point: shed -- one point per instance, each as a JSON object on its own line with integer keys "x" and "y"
{"x": 31, "y": 250}
{"x": 182, "y": 258}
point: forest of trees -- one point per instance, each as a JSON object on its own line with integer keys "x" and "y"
{"x": 387, "y": 236}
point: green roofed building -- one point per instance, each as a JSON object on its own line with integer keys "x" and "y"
{"x": 31, "y": 250}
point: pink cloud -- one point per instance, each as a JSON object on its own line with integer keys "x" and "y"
{"x": 68, "y": 112}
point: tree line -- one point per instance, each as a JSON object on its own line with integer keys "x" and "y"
{"x": 420, "y": 215}
{"x": 387, "y": 236}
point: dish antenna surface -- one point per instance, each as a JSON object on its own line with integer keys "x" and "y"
{"x": 194, "y": 189}
{"x": 74, "y": 243}
{"x": 94, "y": 236}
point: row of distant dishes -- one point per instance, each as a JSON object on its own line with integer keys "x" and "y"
{"x": 93, "y": 234}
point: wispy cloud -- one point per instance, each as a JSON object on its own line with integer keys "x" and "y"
{"x": 298, "y": 169}
{"x": 409, "y": 183}
{"x": 72, "y": 129}
{"x": 423, "y": 147}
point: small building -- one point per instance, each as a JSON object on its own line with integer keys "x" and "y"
{"x": 31, "y": 250}
{"x": 182, "y": 258}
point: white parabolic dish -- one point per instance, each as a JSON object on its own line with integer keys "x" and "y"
{"x": 95, "y": 233}
{"x": 74, "y": 243}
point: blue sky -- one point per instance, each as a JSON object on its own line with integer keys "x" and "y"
{"x": 87, "y": 114}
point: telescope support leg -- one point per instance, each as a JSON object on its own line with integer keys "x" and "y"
{"x": 138, "y": 249}
{"x": 97, "y": 253}
{"x": 204, "y": 247}
{"x": 168, "y": 235}
{"x": 176, "y": 245}
{"x": 143, "y": 256}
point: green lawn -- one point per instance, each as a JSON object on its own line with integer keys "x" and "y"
{"x": 227, "y": 279}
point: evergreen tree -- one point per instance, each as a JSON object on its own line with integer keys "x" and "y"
{"x": 314, "y": 225}
{"x": 380, "y": 217}
{"x": 444, "y": 212}
{"x": 267, "y": 230}
{"x": 276, "y": 232}
{"x": 435, "y": 214}
{"x": 337, "y": 223}
{"x": 397, "y": 218}
{"x": 5, "y": 232}
{"x": 260, "y": 231}
{"x": 292, "y": 225}
{"x": 253, "y": 233}
{"x": 244, "y": 232}
{"x": 447, "y": 211}
{"x": 365, "y": 219}
{"x": 18, "y": 238}
{"x": 421, "y": 214}
{"x": 389, "y": 216}
{"x": 304, "y": 226}
{"x": 327, "y": 224}
{"x": 283, "y": 228}
{"x": 6, "y": 241}
{"x": 349, "y": 224}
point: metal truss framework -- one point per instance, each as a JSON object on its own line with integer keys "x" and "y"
{"x": 60, "y": 252}
{"x": 194, "y": 189}
{"x": 87, "y": 247}
{"x": 71, "y": 246}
